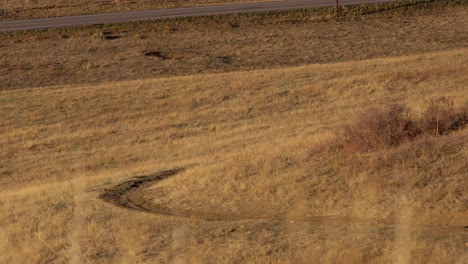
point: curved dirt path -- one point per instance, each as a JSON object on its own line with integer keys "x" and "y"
{"x": 131, "y": 195}
{"x": 128, "y": 194}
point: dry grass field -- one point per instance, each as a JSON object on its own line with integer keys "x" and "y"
{"x": 226, "y": 43}
{"x": 27, "y": 9}
{"x": 262, "y": 113}
{"x": 253, "y": 143}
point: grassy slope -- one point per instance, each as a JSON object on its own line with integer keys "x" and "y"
{"x": 71, "y": 142}
{"x": 229, "y": 43}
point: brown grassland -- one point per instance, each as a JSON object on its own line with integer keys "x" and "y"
{"x": 253, "y": 136}
{"x": 28, "y": 9}
{"x": 260, "y": 141}
{"x": 228, "y": 43}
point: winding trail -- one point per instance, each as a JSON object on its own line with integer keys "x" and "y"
{"x": 128, "y": 194}
{"x": 131, "y": 195}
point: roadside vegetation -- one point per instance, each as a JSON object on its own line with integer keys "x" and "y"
{"x": 28, "y": 9}
{"x": 227, "y": 43}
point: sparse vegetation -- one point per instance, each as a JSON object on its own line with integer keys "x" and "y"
{"x": 84, "y": 110}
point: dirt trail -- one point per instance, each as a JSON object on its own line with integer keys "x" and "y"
{"x": 131, "y": 195}
{"x": 128, "y": 194}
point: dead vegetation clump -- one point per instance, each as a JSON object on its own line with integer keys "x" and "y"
{"x": 397, "y": 124}
{"x": 442, "y": 116}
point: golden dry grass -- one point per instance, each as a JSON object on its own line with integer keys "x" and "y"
{"x": 253, "y": 136}
{"x": 27, "y": 9}
{"x": 228, "y": 43}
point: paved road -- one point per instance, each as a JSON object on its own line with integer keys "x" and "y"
{"x": 69, "y": 21}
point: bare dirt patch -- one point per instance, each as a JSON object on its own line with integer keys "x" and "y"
{"x": 168, "y": 55}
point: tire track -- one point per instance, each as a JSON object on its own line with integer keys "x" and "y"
{"x": 130, "y": 195}
{"x": 124, "y": 194}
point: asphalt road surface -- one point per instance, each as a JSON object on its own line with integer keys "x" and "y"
{"x": 70, "y": 21}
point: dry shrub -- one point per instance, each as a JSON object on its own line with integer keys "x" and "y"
{"x": 442, "y": 116}
{"x": 395, "y": 124}
{"x": 377, "y": 128}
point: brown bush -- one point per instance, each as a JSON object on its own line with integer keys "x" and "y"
{"x": 396, "y": 124}
{"x": 442, "y": 116}
{"x": 376, "y": 128}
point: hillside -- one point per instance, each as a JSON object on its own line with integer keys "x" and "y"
{"x": 254, "y": 145}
